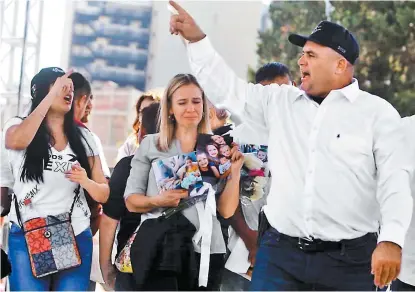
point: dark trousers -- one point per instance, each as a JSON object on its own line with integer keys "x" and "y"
{"x": 234, "y": 282}
{"x": 124, "y": 282}
{"x": 282, "y": 265}
{"x": 401, "y": 286}
{"x": 170, "y": 281}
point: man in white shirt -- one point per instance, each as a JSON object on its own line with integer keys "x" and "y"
{"x": 406, "y": 279}
{"x": 336, "y": 154}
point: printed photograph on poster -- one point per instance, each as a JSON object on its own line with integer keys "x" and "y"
{"x": 213, "y": 155}
{"x": 254, "y": 185}
{"x": 253, "y": 177}
{"x": 178, "y": 172}
{"x": 260, "y": 151}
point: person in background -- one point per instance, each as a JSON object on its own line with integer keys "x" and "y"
{"x": 131, "y": 144}
{"x": 6, "y": 178}
{"x": 6, "y": 184}
{"x": 228, "y": 216}
{"x": 51, "y": 156}
{"x": 274, "y": 73}
{"x": 115, "y": 212}
{"x": 406, "y": 278}
{"x": 270, "y": 73}
{"x": 82, "y": 103}
{"x": 331, "y": 145}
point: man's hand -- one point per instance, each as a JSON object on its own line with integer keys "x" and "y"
{"x": 184, "y": 24}
{"x": 250, "y": 240}
{"x": 386, "y": 263}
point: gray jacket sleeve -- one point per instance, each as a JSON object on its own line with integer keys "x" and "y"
{"x": 140, "y": 169}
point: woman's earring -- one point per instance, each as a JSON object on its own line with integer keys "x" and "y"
{"x": 172, "y": 119}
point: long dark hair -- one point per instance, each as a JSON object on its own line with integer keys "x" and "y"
{"x": 38, "y": 151}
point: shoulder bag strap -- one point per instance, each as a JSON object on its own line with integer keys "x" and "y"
{"x": 16, "y": 206}
{"x": 77, "y": 194}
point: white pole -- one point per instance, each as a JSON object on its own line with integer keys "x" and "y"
{"x": 329, "y": 9}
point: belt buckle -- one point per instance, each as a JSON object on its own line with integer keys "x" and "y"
{"x": 306, "y": 244}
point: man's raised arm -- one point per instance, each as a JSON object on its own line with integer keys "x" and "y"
{"x": 219, "y": 82}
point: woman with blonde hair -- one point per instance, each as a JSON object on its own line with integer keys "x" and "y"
{"x": 184, "y": 114}
{"x": 131, "y": 143}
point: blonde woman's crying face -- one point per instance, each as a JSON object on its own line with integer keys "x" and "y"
{"x": 187, "y": 106}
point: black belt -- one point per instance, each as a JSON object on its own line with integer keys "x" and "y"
{"x": 318, "y": 245}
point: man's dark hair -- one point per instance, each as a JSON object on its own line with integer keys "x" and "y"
{"x": 81, "y": 85}
{"x": 150, "y": 118}
{"x": 270, "y": 71}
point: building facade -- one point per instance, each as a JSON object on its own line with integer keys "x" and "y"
{"x": 110, "y": 41}
{"x": 125, "y": 46}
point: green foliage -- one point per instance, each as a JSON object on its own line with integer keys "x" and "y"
{"x": 385, "y": 32}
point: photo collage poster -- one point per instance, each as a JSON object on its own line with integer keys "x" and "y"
{"x": 178, "y": 172}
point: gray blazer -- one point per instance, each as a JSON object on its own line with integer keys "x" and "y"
{"x": 143, "y": 181}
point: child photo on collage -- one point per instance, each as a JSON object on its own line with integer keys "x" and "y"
{"x": 213, "y": 153}
{"x": 259, "y": 151}
{"x": 255, "y": 172}
{"x": 178, "y": 172}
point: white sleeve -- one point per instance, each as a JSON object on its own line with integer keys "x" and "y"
{"x": 6, "y": 170}
{"x": 89, "y": 143}
{"x": 104, "y": 164}
{"x": 223, "y": 87}
{"x": 394, "y": 171}
{"x": 128, "y": 148}
{"x": 246, "y": 134}
{"x": 6, "y": 174}
{"x": 12, "y": 122}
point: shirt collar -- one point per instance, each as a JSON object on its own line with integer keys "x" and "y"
{"x": 351, "y": 91}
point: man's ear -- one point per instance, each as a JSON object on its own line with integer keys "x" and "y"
{"x": 294, "y": 83}
{"x": 341, "y": 66}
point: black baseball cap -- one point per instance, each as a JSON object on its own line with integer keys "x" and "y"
{"x": 43, "y": 79}
{"x": 331, "y": 35}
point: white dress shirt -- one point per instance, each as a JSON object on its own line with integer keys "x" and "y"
{"x": 338, "y": 168}
{"x": 407, "y": 274}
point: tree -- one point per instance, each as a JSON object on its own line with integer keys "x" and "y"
{"x": 385, "y": 32}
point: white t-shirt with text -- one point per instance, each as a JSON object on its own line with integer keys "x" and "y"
{"x": 56, "y": 193}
